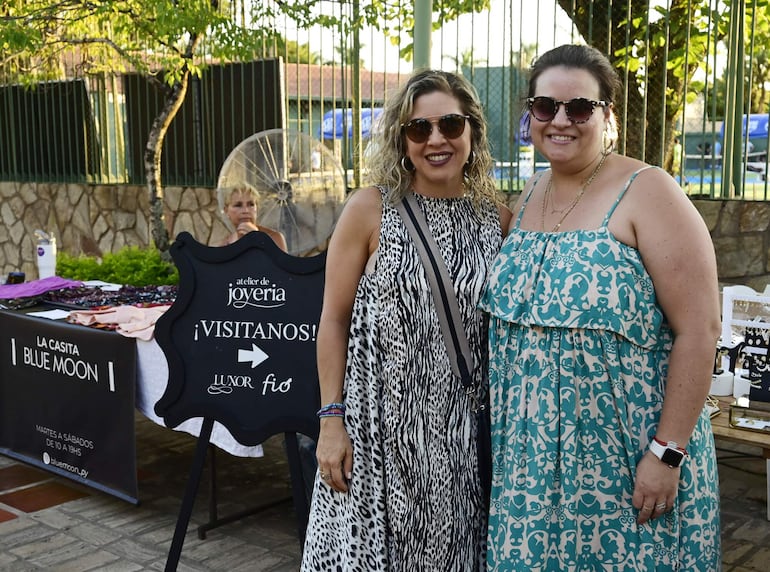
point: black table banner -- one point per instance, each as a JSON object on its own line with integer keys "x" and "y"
{"x": 240, "y": 338}
{"x": 67, "y": 401}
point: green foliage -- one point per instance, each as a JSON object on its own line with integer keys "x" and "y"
{"x": 129, "y": 266}
{"x": 115, "y": 36}
{"x": 756, "y": 73}
{"x": 105, "y": 36}
{"x": 394, "y": 19}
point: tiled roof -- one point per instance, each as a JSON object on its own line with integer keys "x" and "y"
{"x": 334, "y": 82}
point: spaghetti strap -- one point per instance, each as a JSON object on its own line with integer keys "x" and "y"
{"x": 526, "y": 199}
{"x": 623, "y": 192}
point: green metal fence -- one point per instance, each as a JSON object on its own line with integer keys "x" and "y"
{"x": 696, "y": 75}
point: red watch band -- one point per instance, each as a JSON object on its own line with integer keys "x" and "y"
{"x": 666, "y": 443}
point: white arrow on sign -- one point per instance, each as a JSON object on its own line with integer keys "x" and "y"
{"x": 255, "y": 355}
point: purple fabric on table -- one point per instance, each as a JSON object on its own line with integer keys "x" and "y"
{"x": 36, "y": 287}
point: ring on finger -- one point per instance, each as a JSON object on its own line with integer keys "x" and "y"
{"x": 662, "y": 506}
{"x": 647, "y": 508}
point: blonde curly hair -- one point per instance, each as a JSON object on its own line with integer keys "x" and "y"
{"x": 386, "y": 168}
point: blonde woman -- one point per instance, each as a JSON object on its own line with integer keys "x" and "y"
{"x": 241, "y": 206}
{"x": 399, "y": 487}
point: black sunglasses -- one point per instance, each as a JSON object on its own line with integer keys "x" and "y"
{"x": 579, "y": 109}
{"x": 450, "y": 126}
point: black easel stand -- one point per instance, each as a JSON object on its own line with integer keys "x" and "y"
{"x": 301, "y": 507}
{"x": 301, "y": 502}
{"x": 214, "y": 520}
{"x": 298, "y": 494}
{"x": 189, "y": 494}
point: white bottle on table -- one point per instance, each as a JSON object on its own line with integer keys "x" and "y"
{"x": 46, "y": 255}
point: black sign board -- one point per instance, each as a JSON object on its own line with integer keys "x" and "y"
{"x": 756, "y": 349}
{"x": 240, "y": 345}
{"x": 67, "y": 401}
{"x": 240, "y": 338}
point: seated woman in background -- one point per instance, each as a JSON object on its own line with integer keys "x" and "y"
{"x": 240, "y": 207}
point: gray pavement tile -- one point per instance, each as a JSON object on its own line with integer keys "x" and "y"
{"x": 96, "y": 506}
{"x": 130, "y": 549}
{"x": 36, "y": 548}
{"x": 759, "y": 560}
{"x": 11, "y": 527}
{"x": 95, "y": 534}
{"x": 289, "y": 566}
{"x": 102, "y": 533}
{"x": 7, "y": 558}
{"x": 119, "y": 566}
{"x": 74, "y": 549}
{"x": 270, "y": 563}
{"x": 19, "y": 532}
{"x": 163, "y": 535}
{"x": 93, "y": 561}
{"x": 56, "y": 518}
{"x": 750, "y": 532}
{"x": 18, "y": 567}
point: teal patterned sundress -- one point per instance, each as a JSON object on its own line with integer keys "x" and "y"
{"x": 579, "y": 351}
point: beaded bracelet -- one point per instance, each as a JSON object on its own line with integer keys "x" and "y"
{"x": 332, "y": 410}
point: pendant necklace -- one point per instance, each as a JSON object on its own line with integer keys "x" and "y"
{"x": 581, "y": 192}
{"x": 552, "y": 206}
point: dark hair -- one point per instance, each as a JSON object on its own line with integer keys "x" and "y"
{"x": 385, "y": 166}
{"x": 580, "y": 57}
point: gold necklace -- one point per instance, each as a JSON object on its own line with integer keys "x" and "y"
{"x": 581, "y": 192}
{"x": 552, "y": 206}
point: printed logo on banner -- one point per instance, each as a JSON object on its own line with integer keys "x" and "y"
{"x": 253, "y": 293}
{"x": 67, "y": 401}
{"x": 61, "y": 358}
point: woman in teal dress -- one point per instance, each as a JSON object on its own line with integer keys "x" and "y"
{"x": 604, "y": 312}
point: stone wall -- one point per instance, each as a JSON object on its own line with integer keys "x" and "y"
{"x": 740, "y": 231}
{"x": 95, "y": 219}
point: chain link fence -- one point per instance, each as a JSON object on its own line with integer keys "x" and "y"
{"x": 695, "y": 101}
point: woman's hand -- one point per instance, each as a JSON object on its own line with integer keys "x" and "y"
{"x": 335, "y": 454}
{"x": 655, "y": 489}
{"x": 245, "y": 228}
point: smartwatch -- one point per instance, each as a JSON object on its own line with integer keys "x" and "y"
{"x": 668, "y": 452}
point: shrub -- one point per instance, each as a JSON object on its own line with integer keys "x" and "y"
{"x": 130, "y": 265}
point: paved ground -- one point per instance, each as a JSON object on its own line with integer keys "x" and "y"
{"x": 100, "y": 532}
{"x": 48, "y": 523}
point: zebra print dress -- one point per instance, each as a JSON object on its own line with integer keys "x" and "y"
{"x": 414, "y": 502}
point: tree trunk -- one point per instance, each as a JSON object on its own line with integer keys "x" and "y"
{"x": 648, "y": 110}
{"x": 153, "y": 151}
{"x": 152, "y": 166}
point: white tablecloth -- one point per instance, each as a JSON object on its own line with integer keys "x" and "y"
{"x": 152, "y": 377}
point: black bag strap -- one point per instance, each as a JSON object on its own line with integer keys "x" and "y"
{"x": 444, "y": 298}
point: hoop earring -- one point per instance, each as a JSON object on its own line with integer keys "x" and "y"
{"x": 608, "y": 140}
{"x": 610, "y": 134}
{"x": 406, "y": 164}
